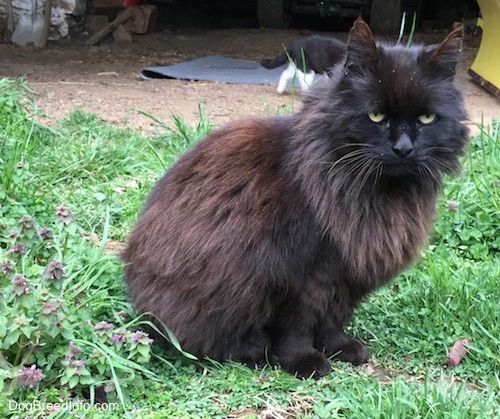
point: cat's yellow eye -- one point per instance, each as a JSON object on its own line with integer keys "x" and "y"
{"x": 376, "y": 116}
{"x": 428, "y": 118}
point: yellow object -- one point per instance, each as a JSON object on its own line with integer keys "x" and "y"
{"x": 486, "y": 67}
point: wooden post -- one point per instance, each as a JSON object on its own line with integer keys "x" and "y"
{"x": 47, "y": 13}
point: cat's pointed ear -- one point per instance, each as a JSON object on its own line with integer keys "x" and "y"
{"x": 447, "y": 53}
{"x": 361, "y": 47}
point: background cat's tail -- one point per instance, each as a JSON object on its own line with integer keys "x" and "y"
{"x": 277, "y": 61}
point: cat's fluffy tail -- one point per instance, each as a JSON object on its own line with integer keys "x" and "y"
{"x": 277, "y": 61}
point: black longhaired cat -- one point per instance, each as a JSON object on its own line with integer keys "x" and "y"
{"x": 261, "y": 240}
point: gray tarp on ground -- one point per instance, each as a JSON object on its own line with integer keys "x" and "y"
{"x": 217, "y": 69}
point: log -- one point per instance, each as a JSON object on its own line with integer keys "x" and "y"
{"x": 144, "y": 20}
{"x": 120, "y": 34}
{"x": 121, "y": 18}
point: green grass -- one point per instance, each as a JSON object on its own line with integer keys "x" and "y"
{"x": 102, "y": 175}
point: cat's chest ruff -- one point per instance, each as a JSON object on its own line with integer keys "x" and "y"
{"x": 380, "y": 236}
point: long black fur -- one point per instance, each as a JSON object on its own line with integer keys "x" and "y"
{"x": 260, "y": 241}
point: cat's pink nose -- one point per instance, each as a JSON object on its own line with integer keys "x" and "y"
{"x": 403, "y": 146}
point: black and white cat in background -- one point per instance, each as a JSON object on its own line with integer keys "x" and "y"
{"x": 306, "y": 57}
{"x": 260, "y": 241}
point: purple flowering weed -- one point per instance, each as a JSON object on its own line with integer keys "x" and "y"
{"x": 64, "y": 215}
{"x": 30, "y": 377}
{"x": 54, "y": 270}
{"x": 20, "y": 285}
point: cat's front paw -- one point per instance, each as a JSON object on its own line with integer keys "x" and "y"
{"x": 310, "y": 365}
{"x": 352, "y": 351}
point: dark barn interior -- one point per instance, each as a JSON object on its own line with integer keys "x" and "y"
{"x": 314, "y": 15}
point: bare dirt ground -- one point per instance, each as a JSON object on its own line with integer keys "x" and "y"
{"x": 104, "y": 79}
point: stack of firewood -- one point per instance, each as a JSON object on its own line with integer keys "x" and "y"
{"x": 133, "y": 20}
